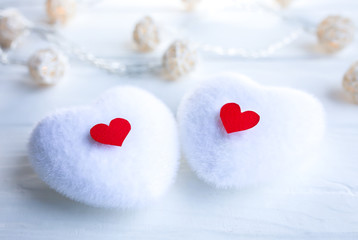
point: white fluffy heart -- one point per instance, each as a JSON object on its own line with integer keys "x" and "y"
{"x": 290, "y": 129}
{"x": 65, "y": 156}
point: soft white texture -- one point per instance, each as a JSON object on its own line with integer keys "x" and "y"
{"x": 65, "y": 156}
{"x": 290, "y": 129}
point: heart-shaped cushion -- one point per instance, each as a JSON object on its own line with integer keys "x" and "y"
{"x": 289, "y": 129}
{"x": 66, "y": 157}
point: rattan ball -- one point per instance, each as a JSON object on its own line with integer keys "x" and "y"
{"x": 60, "y": 11}
{"x": 146, "y": 35}
{"x": 47, "y": 67}
{"x": 335, "y": 33}
{"x": 13, "y": 27}
{"x": 179, "y": 59}
{"x": 350, "y": 82}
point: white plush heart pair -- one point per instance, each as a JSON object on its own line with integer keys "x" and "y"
{"x": 69, "y": 160}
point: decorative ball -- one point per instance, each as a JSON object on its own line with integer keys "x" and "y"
{"x": 284, "y": 3}
{"x": 335, "y": 32}
{"x": 275, "y": 134}
{"x": 60, "y": 11}
{"x": 191, "y": 4}
{"x": 179, "y": 59}
{"x": 13, "y": 26}
{"x": 350, "y": 81}
{"x": 47, "y": 67}
{"x": 65, "y": 155}
{"x": 146, "y": 35}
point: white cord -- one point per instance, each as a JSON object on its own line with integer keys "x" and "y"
{"x": 272, "y": 48}
{"x": 111, "y": 66}
{"x": 5, "y": 60}
{"x": 262, "y": 53}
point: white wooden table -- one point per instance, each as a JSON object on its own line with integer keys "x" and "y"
{"x": 322, "y": 204}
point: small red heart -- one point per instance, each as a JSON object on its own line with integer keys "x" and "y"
{"x": 234, "y": 120}
{"x": 114, "y": 134}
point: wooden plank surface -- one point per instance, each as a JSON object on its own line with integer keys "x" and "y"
{"x": 321, "y": 204}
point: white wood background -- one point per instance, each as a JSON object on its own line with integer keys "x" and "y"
{"x": 321, "y": 204}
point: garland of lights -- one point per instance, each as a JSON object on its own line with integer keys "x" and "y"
{"x": 48, "y": 66}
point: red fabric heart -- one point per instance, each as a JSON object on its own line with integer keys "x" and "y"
{"x": 234, "y": 120}
{"x": 114, "y": 134}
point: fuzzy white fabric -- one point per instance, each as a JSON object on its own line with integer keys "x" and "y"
{"x": 290, "y": 129}
{"x": 65, "y": 156}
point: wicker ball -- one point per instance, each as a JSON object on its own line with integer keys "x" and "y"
{"x": 13, "y": 27}
{"x": 335, "y": 32}
{"x": 146, "y": 35}
{"x": 60, "y": 11}
{"x": 350, "y": 81}
{"x": 47, "y": 67}
{"x": 284, "y": 3}
{"x": 179, "y": 59}
{"x": 191, "y": 4}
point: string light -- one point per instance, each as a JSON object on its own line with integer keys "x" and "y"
{"x": 334, "y": 33}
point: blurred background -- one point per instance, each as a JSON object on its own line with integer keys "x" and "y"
{"x": 320, "y": 205}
